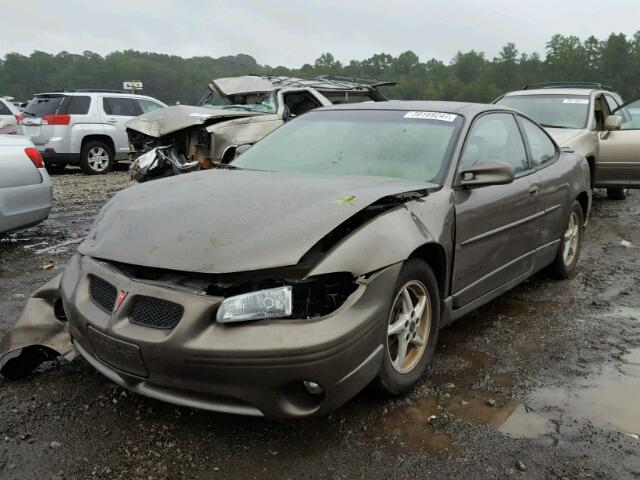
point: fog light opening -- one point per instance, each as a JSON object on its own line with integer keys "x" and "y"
{"x": 313, "y": 388}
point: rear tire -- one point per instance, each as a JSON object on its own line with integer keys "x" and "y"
{"x": 616, "y": 193}
{"x": 96, "y": 158}
{"x": 564, "y": 265}
{"x": 410, "y": 328}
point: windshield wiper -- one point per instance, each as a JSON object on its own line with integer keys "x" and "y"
{"x": 228, "y": 166}
{"x": 553, "y": 126}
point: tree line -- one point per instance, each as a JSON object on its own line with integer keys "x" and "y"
{"x": 469, "y": 76}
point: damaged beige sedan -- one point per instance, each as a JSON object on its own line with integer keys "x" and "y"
{"x": 233, "y": 114}
{"x": 284, "y": 283}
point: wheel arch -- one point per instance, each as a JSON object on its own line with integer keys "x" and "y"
{"x": 435, "y": 256}
{"x": 584, "y": 200}
{"x": 591, "y": 161}
{"x": 106, "y": 139}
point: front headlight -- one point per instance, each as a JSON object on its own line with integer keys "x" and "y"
{"x": 271, "y": 303}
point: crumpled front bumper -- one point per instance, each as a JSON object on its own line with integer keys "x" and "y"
{"x": 252, "y": 368}
{"x": 40, "y": 334}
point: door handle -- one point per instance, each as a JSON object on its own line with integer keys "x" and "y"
{"x": 112, "y": 120}
{"x": 533, "y": 190}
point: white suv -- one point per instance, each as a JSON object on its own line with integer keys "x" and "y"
{"x": 83, "y": 127}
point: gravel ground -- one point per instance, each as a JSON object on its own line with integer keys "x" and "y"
{"x": 541, "y": 383}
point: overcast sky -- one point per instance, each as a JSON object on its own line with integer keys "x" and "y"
{"x": 294, "y": 32}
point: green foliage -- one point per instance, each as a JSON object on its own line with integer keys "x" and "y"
{"x": 470, "y": 76}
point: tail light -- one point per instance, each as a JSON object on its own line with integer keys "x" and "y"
{"x": 62, "y": 119}
{"x": 19, "y": 118}
{"x": 35, "y": 156}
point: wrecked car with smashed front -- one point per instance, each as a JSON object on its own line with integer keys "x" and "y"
{"x": 232, "y": 115}
{"x": 308, "y": 268}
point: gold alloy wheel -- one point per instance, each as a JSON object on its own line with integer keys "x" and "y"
{"x": 409, "y": 326}
{"x": 571, "y": 239}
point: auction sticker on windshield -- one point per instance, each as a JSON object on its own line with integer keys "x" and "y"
{"x": 445, "y": 117}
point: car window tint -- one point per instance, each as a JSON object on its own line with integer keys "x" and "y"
{"x": 496, "y": 138}
{"x": 78, "y": 105}
{"x": 630, "y": 114}
{"x": 611, "y": 103}
{"x": 125, "y": 107}
{"x": 148, "y": 105}
{"x": 4, "y": 110}
{"x": 543, "y": 150}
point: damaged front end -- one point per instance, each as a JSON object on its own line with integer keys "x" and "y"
{"x": 39, "y": 335}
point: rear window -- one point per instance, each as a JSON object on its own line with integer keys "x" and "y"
{"x": 118, "y": 106}
{"x": 4, "y": 110}
{"x": 44, "y": 105}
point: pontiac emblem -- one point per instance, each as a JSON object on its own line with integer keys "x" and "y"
{"x": 121, "y": 296}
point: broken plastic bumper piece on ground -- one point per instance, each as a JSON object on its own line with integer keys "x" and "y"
{"x": 39, "y": 335}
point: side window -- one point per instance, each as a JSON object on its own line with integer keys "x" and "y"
{"x": 78, "y": 105}
{"x": 118, "y": 106}
{"x": 630, "y": 114}
{"x": 543, "y": 150}
{"x": 148, "y": 105}
{"x": 611, "y": 103}
{"x": 496, "y": 137}
{"x": 300, "y": 102}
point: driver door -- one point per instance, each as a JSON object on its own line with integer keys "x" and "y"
{"x": 619, "y": 158}
{"x": 497, "y": 226}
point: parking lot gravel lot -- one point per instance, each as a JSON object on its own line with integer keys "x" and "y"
{"x": 542, "y": 383}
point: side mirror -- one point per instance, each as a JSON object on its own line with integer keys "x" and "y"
{"x": 483, "y": 174}
{"x": 613, "y": 122}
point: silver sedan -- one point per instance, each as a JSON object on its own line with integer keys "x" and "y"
{"x": 26, "y": 194}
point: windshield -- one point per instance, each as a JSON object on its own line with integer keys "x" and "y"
{"x": 262, "y": 102}
{"x": 553, "y": 111}
{"x": 386, "y": 143}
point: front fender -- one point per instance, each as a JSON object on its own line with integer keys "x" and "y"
{"x": 393, "y": 236}
{"x": 37, "y": 336}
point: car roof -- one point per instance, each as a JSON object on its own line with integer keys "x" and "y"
{"x": 558, "y": 91}
{"x": 267, "y": 83}
{"x": 460, "y": 108}
{"x": 94, "y": 93}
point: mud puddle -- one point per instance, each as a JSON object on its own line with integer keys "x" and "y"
{"x": 609, "y": 400}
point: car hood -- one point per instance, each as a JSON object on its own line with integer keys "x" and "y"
{"x": 223, "y": 221}
{"x": 163, "y": 121}
{"x": 563, "y": 136}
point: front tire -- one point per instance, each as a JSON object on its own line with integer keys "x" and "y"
{"x": 96, "y": 158}
{"x": 564, "y": 265}
{"x": 412, "y": 328}
{"x": 616, "y": 193}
